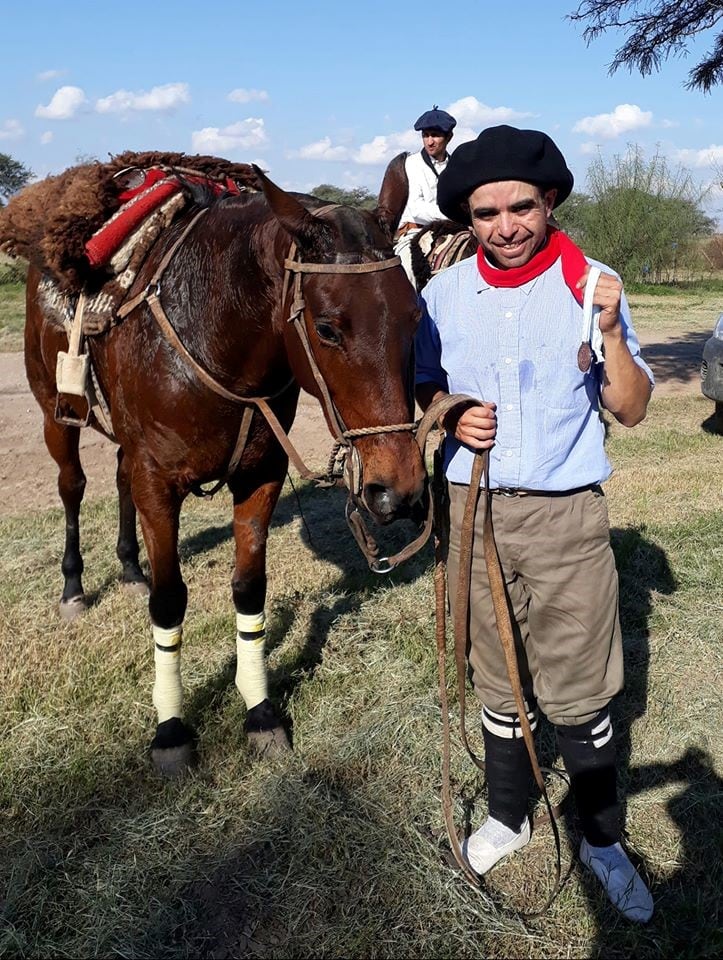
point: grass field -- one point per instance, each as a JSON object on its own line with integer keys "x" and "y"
{"x": 339, "y": 849}
{"x": 12, "y": 316}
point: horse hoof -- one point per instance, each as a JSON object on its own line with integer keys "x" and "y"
{"x": 136, "y": 588}
{"x": 268, "y": 743}
{"x": 73, "y": 608}
{"x": 173, "y": 762}
{"x": 173, "y": 749}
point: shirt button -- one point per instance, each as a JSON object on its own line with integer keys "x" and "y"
{"x": 508, "y": 453}
{"x": 508, "y": 359}
{"x": 508, "y": 407}
{"x": 508, "y": 315}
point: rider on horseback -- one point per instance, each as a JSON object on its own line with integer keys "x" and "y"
{"x": 423, "y": 170}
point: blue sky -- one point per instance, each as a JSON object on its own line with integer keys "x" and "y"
{"x": 327, "y": 92}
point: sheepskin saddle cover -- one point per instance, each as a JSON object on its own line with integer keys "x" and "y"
{"x": 72, "y": 225}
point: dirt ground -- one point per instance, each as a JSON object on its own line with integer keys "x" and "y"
{"x": 28, "y": 477}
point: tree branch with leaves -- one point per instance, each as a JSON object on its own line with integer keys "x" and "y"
{"x": 656, "y": 30}
{"x": 13, "y": 176}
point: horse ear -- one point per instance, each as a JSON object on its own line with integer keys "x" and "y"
{"x": 393, "y": 195}
{"x": 293, "y": 216}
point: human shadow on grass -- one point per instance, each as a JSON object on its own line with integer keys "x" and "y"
{"x": 686, "y": 917}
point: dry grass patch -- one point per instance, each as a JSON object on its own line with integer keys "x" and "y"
{"x": 685, "y": 312}
{"x": 339, "y": 849}
{"x": 12, "y": 316}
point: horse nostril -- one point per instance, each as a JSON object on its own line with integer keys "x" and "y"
{"x": 381, "y": 501}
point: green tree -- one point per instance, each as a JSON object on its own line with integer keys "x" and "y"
{"x": 573, "y": 215}
{"x": 13, "y": 176}
{"x": 656, "y": 30}
{"x": 356, "y": 197}
{"x": 644, "y": 219}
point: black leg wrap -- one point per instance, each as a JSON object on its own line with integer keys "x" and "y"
{"x": 172, "y": 733}
{"x": 509, "y": 773}
{"x": 588, "y": 751}
{"x": 261, "y": 717}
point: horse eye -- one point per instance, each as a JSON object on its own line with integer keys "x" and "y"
{"x": 327, "y": 333}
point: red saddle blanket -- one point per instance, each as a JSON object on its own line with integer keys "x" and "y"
{"x": 138, "y": 202}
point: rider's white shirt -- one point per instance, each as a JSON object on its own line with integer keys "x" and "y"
{"x": 421, "y": 205}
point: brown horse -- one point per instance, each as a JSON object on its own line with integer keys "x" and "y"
{"x": 224, "y": 292}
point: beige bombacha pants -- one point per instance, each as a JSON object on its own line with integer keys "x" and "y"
{"x": 562, "y": 587}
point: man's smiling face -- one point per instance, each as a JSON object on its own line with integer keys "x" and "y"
{"x": 509, "y": 218}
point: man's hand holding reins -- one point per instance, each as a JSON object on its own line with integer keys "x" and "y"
{"x": 475, "y": 426}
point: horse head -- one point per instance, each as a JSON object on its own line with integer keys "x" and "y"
{"x": 394, "y": 193}
{"x": 358, "y": 312}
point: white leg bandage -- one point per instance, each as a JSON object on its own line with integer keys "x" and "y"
{"x": 251, "y": 664}
{"x": 167, "y": 690}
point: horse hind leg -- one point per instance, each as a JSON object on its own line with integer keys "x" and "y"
{"x": 127, "y": 548}
{"x": 62, "y": 443}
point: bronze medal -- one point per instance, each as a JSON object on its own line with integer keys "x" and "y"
{"x": 584, "y": 357}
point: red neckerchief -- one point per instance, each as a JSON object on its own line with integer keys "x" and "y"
{"x": 558, "y": 244}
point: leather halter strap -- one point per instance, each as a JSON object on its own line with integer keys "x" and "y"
{"x": 344, "y": 452}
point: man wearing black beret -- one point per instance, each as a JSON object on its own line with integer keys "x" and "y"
{"x": 541, "y": 335}
{"x": 423, "y": 170}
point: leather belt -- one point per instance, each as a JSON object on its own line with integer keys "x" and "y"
{"x": 521, "y": 492}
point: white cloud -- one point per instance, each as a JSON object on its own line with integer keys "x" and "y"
{"x": 46, "y": 137}
{"x": 49, "y": 75}
{"x": 241, "y": 95}
{"x": 11, "y": 130}
{"x": 473, "y": 116}
{"x": 322, "y": 150}
{"x": 625, "y": 117}
{"x": 244, "y": 135}
{"x": 471, "y": 112}
{"x": 666, "y": 124}
{"x": 701, "y": 158}
{"x": 588, "y": 147}
{"x": 382, "y": 149}
{"x": 64, "y": 105}
{"x": 163, "y": 98}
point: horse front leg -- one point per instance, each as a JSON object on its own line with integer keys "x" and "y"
{"x": 159, "y": 505}
{"x": 127, "y": 549}
{"x": 62, "y": 443}
{"x": 251, "y": 517}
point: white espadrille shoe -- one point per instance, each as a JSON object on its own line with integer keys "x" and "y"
{"x": 492, "y": 841}
{"x": 620, "y": 880}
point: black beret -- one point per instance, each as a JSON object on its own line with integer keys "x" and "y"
{"x": 501, "y": 153}
{"x": 436, "y": 119}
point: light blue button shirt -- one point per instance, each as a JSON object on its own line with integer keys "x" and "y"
{"x": 517, "y": 347}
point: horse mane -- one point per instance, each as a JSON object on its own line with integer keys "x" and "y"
{"x": 49, "y": 222}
